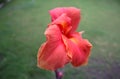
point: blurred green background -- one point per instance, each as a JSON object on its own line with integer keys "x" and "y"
{"x": 22, "y": 26}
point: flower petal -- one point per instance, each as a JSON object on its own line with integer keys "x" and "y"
{"x": 52, "y": 54}
{"x": 71, "y": 12}
{"x": 78, "y": 49}
{"x": 64, "y": 23}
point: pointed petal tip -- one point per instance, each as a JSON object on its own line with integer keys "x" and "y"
{"x": 81, "y": 32}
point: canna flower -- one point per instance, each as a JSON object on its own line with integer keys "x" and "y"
{"x": 63, "y": 44}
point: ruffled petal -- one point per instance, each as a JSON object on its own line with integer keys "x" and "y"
{"x": 64, "y": 23}
{"x": 52, "y": 54}
{"x": 78, "y": 49}
{"x": 71, "y": 12}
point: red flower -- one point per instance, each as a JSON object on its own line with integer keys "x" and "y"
{"x": 63, "y": 43}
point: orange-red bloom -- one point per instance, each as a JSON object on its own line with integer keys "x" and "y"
{"x": 63, "y": 43}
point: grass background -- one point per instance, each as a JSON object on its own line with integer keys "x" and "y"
{"x": 22, "y": 26}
